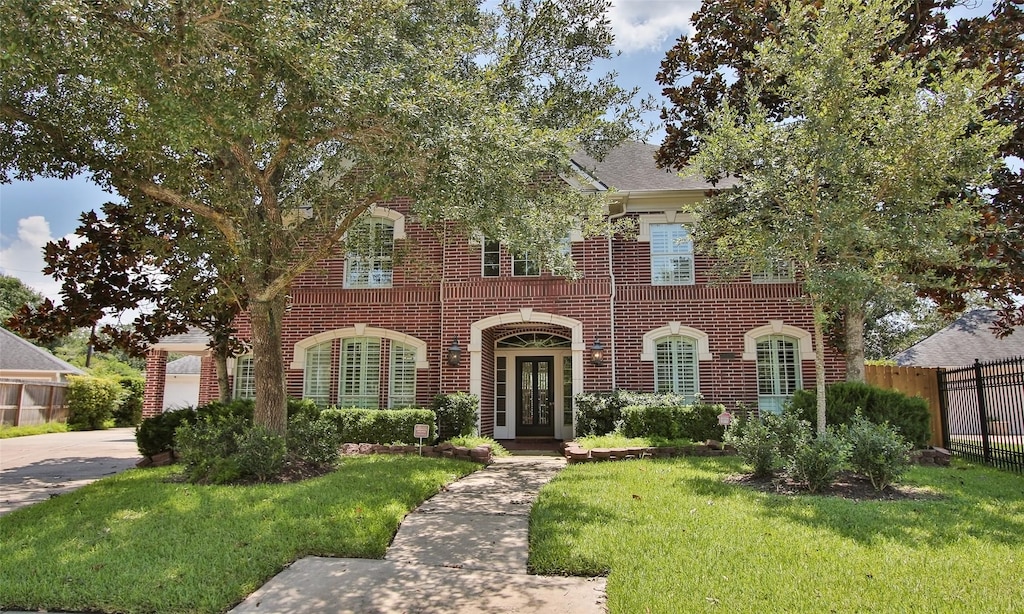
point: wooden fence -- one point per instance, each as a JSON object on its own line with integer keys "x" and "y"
{"x": 914, "y": 381}
{"x": 27, "y": 402}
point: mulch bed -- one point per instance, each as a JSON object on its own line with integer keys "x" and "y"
{"x": 847, "y": 486}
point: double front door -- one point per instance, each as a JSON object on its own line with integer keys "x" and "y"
{"x": 535, "y": 396}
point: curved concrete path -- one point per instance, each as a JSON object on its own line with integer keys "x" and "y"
{"x": 464, "y": 550}
{"x": 39, "y": 467}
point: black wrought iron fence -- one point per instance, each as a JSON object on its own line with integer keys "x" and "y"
{"x": 983, "y": 409}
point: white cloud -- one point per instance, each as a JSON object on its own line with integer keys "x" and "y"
{"x": 648, "y": 25}
{"x": 22, "y": 257}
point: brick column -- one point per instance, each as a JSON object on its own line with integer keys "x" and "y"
{"x": 156, "y": 380}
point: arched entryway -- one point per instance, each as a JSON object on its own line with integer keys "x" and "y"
{"x": 526, "y": 367}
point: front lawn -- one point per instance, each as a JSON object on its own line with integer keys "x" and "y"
{"x": 136, "y": 542}
{"x": 7, "y": 432}
{"x": 672, "y": 537}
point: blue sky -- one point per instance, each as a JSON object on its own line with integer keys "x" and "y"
{"x": 33, "y": 213}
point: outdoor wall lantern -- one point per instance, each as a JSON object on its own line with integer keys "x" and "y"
{"x": 597, "y": 354}
{"x": 454, "y": 353}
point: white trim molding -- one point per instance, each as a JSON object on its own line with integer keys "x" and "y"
{"x": 777, "y": 327}
{"x": 671, "y": 330}
{"x": 359, "y": 330}
{"x": 668, "y": 217}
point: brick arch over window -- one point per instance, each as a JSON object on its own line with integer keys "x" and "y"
{"x": 675, "y": 329}
{"x": 525, "y": 315}
{"x": 359, "y": 330}
{"x": 777, "y": 327}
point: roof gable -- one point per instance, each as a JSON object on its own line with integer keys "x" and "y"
{"x": 17, "y": 354}
{"x": 962, "y": 342}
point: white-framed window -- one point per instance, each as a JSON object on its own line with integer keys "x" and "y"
{"x": 372, "y": 265}
{"x": 491, "y": 258}
{"x": 245, "y": 378}
{"x": 524, "y": 264}
{"x": 316, "y": 384}
{"x": 777, "y": 273}
{"x": 675, "y": 366}
{"x": 778, "y": 371}
{"x": 360, "y": 373}
{"x": 671, "y": 255}
{"x": 402, "y": 392}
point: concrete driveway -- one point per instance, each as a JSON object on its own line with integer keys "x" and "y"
{"x": 38, "y": 467}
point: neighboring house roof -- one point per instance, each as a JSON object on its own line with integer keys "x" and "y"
{"x": 187, "y": 365}
{"x": 16, "y": 354}
{"x": 630, "y": 167}
{"x": 963, "y": 341}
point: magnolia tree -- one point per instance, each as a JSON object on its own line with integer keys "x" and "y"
{"x": 718, "y": 64}
{"x": 841, "y": 176}
{"x": 280, "y": 124}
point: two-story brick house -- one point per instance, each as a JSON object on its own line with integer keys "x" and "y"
{"x": 455, "y": 314}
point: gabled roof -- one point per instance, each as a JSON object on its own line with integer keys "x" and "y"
{"x": 194, "y": 340}
{"x": 630, "y": 167}
{"x": 963, "y": 341}
{"x": 186, "y": 365}
{"x": 16, "y": 354}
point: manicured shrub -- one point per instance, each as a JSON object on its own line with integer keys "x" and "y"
{"x": 695, "y": 422}
{"x": 303, "y": 407}
{"x": 129, "y": 411}
{"x": 235, "y": 410}
{"x": 600, "y": 413}
{"x": 259, "y": 453}
{"x": 206, "y": 448}
{"x": 909, "y": 415}
{"x": 456, "y": 414}
{"x": 818, "y": 461}
{"x": 878, "y": 452}
{"x": 313, "y": 441}
{"x": 91, "y": 401}
{"x": 791, "y": 432}
{"x": 756, "y": 444}
{"x": 378, "y": 425}
{"x": 156, "y": 433}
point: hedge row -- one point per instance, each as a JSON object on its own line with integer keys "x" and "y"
{"x": 381, "y": 426}
{"x": 642, "y": 414}
{"x": 908, "y": 415}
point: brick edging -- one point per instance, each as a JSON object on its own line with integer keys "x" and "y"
{"x": 479, "y": 454}
{"x": 575, "y": 454}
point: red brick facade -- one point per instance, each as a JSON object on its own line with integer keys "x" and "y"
{"x": 438, "y": 294}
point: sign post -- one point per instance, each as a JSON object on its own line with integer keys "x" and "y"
{"x": 421, "y": 431}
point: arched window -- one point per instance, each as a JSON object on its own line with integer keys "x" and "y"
{"x": 778, "y": 371}
{"x": 675, "y": 366}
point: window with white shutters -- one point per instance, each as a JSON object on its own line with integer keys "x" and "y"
{"x": 675, "y": 366}
{"x": 360, "y": 373}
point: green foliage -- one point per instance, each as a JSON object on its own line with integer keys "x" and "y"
{"x": 908, "y": 415}
{"x": 473, "y": 441}
{"x": 878, "y": 452}
{"x": 156, "y": 433}
{"x": 91, "y": 401}
{"x": 790, "y": 431}
{"x": 456, "y": 414}
{"x": 7, "y": 431}
{"x": 14, "y": 294}
{"x": 259, "y": 453}
{"x": 696, "y": 422}
{"x": 818, "y": 461}
{"x": 206, "y": 448}
{"x": 313, "y": 440}
{"x": 129, "y": 411}
{"x": 756, "y": 443}
{"x": 382, "y": 426}
{"x": 600, "y": 413}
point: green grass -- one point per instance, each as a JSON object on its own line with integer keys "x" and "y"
{"x": 6, "y": 432}
{"x": 136, "y": 542}
{"x": 613, "y": 440}
{"x": 673, "y": 537}
{"x": 472, "y": 441}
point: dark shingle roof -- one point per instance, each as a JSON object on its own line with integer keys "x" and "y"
{"x": 16, "y": 354}
{"x": 963, "y": 341}
{"x": 193, "y": 336}
{"x": 630, "y": 167}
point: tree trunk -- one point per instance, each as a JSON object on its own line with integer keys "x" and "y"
{"x": 268, "y": 363}
{"x": 220, "y": 361}
{"x": 819, "y": 363}
{"x": 854, "y": 341}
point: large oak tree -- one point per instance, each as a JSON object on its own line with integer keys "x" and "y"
{"x": 281, "y": 123}
{"x": 841, "y": 175}
{"x": 717, "y": 65}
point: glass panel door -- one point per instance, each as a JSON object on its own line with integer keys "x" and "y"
{"x": 535, "y": 390}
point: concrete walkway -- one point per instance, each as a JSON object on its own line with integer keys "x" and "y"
{"x": 39, "y": 467}
{"x": 464, "y": 550}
